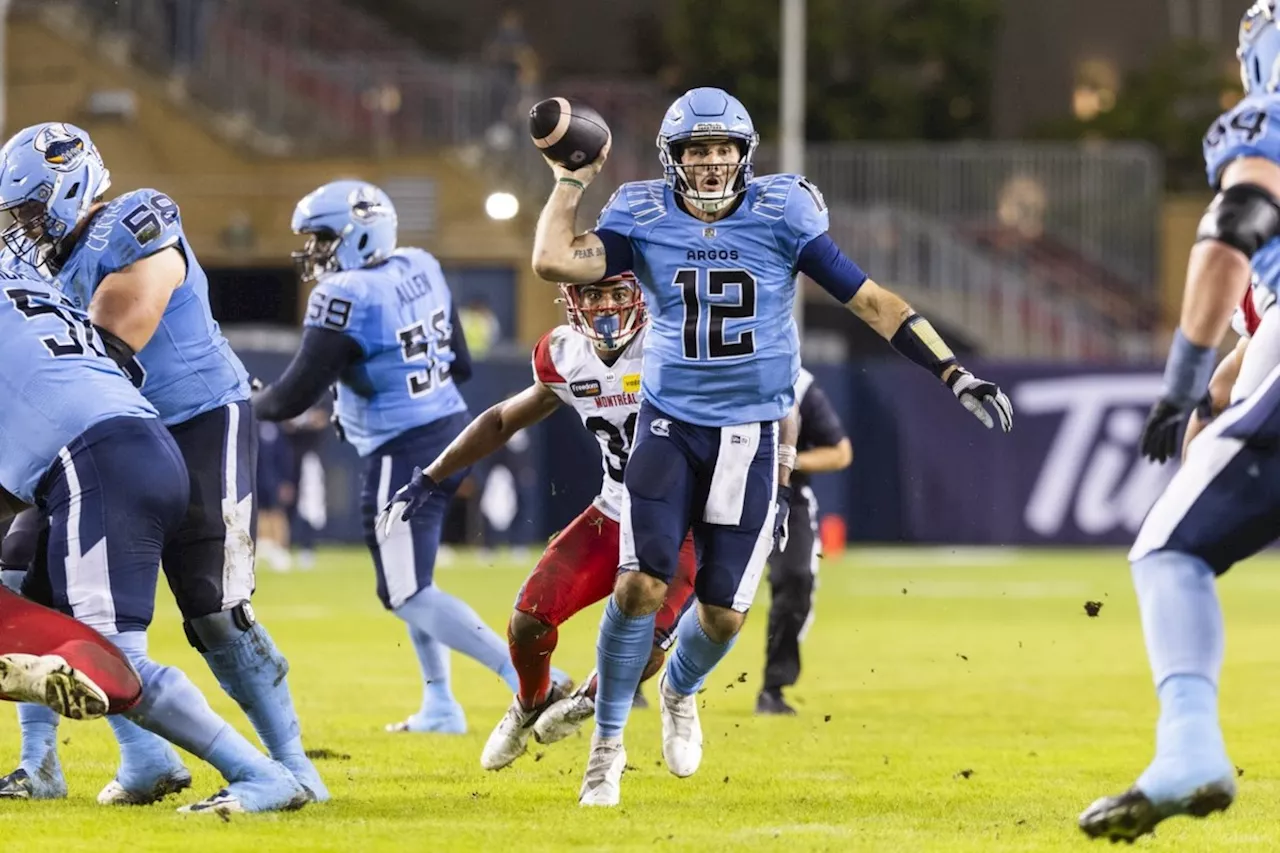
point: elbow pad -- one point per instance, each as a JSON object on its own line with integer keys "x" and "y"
{"x": 119, "y": 351}
{"x": 1244, "y": 216}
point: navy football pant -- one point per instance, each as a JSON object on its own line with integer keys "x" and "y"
{"x": 719, "y": 482}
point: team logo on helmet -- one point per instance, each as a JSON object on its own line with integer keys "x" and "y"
{"x": 365, "y": 204}
{"x": 61, "y": 149}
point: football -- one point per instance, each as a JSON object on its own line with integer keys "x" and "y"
{"x": 570, "y": 133}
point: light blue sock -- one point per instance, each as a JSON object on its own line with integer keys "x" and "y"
{"x": 695, "y": 656}
{"x": 175, "y": 709}
{"x": 40, "y": 750}
{"x": 144, "y": 757}
{"x": 253, "y": 672}
{"x": 622, "y": 650}
{"x": 1182, "y": 624}
{"x": 433, "y": 659}
{"x": 451, "y": 621}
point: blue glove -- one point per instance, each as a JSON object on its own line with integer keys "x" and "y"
{"x": 780, "y": 519}
{"x": 407, "y": 500}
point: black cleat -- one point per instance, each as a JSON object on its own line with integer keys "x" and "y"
{"x": 770, "y": 702}
{"x": 1131, "y": 815}
{"x": 16, "y": 786}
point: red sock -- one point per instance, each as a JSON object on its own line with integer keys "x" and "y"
{"x": 532, "y": 660}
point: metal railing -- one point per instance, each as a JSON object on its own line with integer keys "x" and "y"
{"x": 1010, "y": 312}
{"x": 1102, "y": 201}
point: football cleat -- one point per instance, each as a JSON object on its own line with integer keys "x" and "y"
{"x": 50, "y": 680}
{"x": 771, "y": 703}
{"x": 602, "y": 781}
{"x": 1130, "y": 815}
{"x": 115, "y": 794}
{"x": 221, "y": 803}
{"x": 566, "y": 716}
{"x": 681, "y": 730}
{"x": 510, "y": 738}
{"x": 19, "y": 785}
{"x": 449, "y": 720}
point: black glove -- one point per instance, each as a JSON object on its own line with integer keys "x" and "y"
{"x": 1159, "y": 441}
{"x": 975, "y": 394}
{"x": 407, "y": 500}
{"x": 780, "y": 519}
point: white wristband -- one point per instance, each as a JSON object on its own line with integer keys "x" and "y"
{"x": 787, "y": 456}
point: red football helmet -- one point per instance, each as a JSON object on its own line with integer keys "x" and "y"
{"x": 609, "y": 312}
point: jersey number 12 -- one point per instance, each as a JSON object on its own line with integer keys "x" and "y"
{"x": 705, "y": 338}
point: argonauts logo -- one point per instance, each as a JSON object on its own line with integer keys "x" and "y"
{"x": 61, "y": 148}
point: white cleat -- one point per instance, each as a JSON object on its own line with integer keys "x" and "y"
{"x": 510, "y": 738}
{"x": 115, "y": 794}
{"x": 681, "y": 731}
{"x": 565, "y": 717}
{"x": 602, "y": 783}
{"x": 221, "y": 804}
{"x": 50, "y": 680}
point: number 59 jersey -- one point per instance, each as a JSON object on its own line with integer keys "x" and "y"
{"x": 401, "y": 314}
{"x": 606, "y": 397}
{"x": 1250, "y": 129}
{"x": 722, "y": 347}
{"x": 187, "y": 368}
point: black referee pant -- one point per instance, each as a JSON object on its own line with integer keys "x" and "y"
{"x": 793, "y": 576}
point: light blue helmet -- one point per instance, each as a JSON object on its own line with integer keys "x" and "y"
{"x": 706, "y": 113}
{"x": 1259, "y": 50}
{"x": 50, "y": 175}
{"x": 352, "y": 224}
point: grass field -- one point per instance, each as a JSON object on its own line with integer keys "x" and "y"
{"x": 952, "y": 700}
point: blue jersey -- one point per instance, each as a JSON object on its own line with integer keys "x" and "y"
{"x": 57, "y": 381}
{"x": 722, "y": 348}
{"x": 187, "y": 368}
{"x": 1250, "y": 129}
{"x": 400, "y": 313}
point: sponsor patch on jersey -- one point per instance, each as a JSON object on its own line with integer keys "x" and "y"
{"x": 585, "y": 388}
{"x": 631, "y": 383}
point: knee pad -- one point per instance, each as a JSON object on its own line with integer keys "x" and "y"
{"x": 20, "y": 544}
{"x": 219, "y": 629}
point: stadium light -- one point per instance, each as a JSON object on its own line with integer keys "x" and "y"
{"x": 501, "y": 206}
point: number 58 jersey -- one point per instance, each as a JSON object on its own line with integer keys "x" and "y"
{"x": 187, "y": 368}
{"x": 605, "y": 396}
{"x": 400, "y": 312}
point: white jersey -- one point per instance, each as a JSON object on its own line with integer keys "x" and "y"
{"x": 605, "y": 396}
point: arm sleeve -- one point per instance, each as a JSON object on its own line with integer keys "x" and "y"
{"x": 819, "y": 424}
{"x": 614, "y": 228}
{"x": 460, "y": 367}
{"x": 319, "y": 362}
{"x": 822, "y": 260}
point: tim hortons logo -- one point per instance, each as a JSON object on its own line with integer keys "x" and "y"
{"x": 1093, "y": 473}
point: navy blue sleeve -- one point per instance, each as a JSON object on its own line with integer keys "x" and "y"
{"x": 819, "y": 424}
{"x": 319, "y": 362}
{"x": 617, "y": 252}
{"x": 822, "y": 260}
{"x": 460, "y": 367}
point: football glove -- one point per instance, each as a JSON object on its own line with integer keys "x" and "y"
{"x": 974, "y": 394}
{"x": 407, "y": 500}
{"x": 1159, "y": 441}
{"x": 780, "y": 519}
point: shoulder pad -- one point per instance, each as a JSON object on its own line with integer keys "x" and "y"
{"x": 134, "y": 226}
{"x": 547, "y": 353}
{"x": 1247, "y": 130}
{"x": 642, "y": 202}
